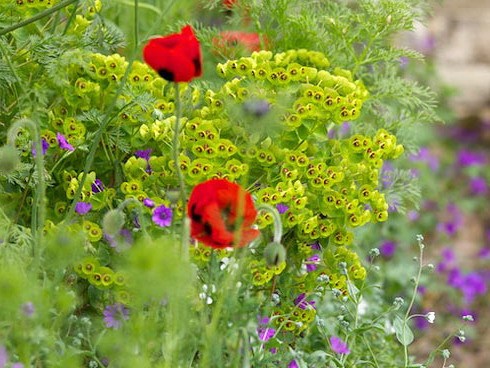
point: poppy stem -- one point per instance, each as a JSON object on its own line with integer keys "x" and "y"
{"x": 277, "y": 220}
{"x": 175, "y": 153}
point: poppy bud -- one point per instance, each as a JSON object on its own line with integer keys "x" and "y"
{"x": 274, "y": 254}
{"x": 9, "y": 159}
{"x": 113, "y": 222}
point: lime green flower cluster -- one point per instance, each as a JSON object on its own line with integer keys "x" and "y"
{"x": 103, "y": 278}
{"x": 262, "y": 273}
{"x": 293, "y": 319}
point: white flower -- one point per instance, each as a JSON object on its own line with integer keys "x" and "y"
{"x": 430, "y": 317}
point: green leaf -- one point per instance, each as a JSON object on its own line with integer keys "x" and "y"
{"x": 404, "y": 333}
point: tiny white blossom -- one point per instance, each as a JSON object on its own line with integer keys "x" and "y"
{"x": 430, "y": 317}
{"x": 468, "y": 317}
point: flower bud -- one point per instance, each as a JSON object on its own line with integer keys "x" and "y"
{"x": 113, "y": 222}
{"x": 274, "y": 254}
{"x": 9, "y": 159}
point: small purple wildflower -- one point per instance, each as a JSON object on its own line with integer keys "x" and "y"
{"x": 44, "y": 147}
{"x": 403, "y": 60}
{"x": 293, "y": 364}
{"x": 338, "y": 345}
{"x": 478, "y": 186}
{"x": 454, "y": 221}
{"x": 413, "y": 215}
{"x": 302, "y": 303}
{"x": 83, "y": 207}
{"x": 264, "y": 332}
{"x": 484, "y": 253}
{"x": 3, "y": 356}
{"x": 316, "y": 246}
{"x": 282, "y": 208}
{"x": 28, "y": 309}
{"x": 471, "y": 284}
{"x": 469, "y": 158}
{"x": 97, "y": 186}
{"x": 148, "y": 202}
{"x": 448, "y": 260}
{"x": 312, "y": 263}
{"x": 257, "y": 107}
{"x": 17, "y": 365}
{"x": 387, "y": 248}
{"x": 162, "y": 216}
{"x": 145, "y": 154}
{"x": 115, "y": 314}
{"x": 63, "y": 143}
{"x": 426, "y": 156}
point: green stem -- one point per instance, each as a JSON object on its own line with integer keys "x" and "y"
{"x": 38, "y": 214}
{"x": 276, "y": 218}
{"x": 414, "y": 295}
{"x": 175, "y": 154}
{"x": 37, "y": 17}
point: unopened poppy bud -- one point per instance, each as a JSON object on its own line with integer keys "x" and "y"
{"x": 173, "y": 196}
{"x": 9, "y": 159}
{"x": 274, "y": 254}
{"x": 113, "y": 222}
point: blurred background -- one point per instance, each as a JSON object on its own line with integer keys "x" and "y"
{"x": 455, "y": 169}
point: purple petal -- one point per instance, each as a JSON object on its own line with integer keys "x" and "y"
{"x": 83, "y": 207}
{"x": 63, "y": 143}
{"x": 338, "y": 345}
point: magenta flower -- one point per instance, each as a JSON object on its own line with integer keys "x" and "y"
{"x": 264, "y": 332}
{"x": 162, "y": 216}
{"x": 115, "y": 315}
{"x": 293, "y": 364}
{"x": 44, "y": 147}
{"x": 97, "y": 186}
{"x": 63, "y": 143}
{"x": 478, "y": 186}
{"x": 148, "y": 203}
{"x": 83, "y": 208}
{"x": 470, "y": 158}
{"x": 145, "y": 154}
{"x": 281, "y": 208}
{"x": 387, "y": 249}
{"x": 302, "y": 303}
{"x": 312, "y": 263}
{"x": 338, "y": 345}
{"x": 3, "y": 356}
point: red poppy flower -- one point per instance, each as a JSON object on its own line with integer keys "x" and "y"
{"x": 229, "y": 3}
{"x": 176, "y": 57}
{"x": 233, "y": 43}
{"x": 220, "y": 210}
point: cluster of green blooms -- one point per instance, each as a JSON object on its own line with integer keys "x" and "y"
{"x": 267, "y": 126}
{"x": 103, "y": 278}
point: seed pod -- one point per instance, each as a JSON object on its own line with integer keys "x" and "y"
{"x": 274, "y": 254}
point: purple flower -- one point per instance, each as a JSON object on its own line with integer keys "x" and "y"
{"x": 162, "y": 216}
{"x": 478, "y": 186}
{"x": 293, "y": 364}
{"x": 115, "y": 314}
{"x": 448, "y": 260}
{"x": 281, "y": 208}
{"x": 454, "y": 221}
{"x": 403, "y": 60}
{"x": 264, "y": 332}
{"x": 148, "y": 203}
{"x": 316, "y": 246}
{"x": 312, "y": 262}
{"x": 302, "y": 303}
{"x": 28, "y": 309}
{"x": 97, "y": 186}
{"x": 144, "y": 153}
{"x": 83, "y": 207}
{"x": 63, "y": 143}
{"x": 484, "y": 253}
{"x": 469, "y": 158}
{"x": 387, "y": 248}
{"x": 44, "y": 147}
{"x": 338, "y": 345}
{"x": 413, "y": 215}
{"x": 3, "y": 356}
{"x": 420, "y": 322}
{"x": 471, "y": 285}
{"x": 424, "y": 155}
{"x": 17, "y": 365}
